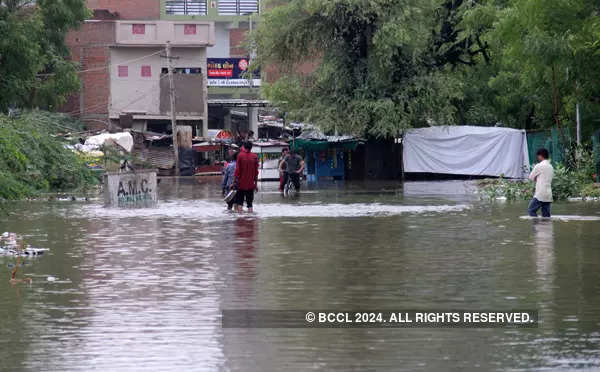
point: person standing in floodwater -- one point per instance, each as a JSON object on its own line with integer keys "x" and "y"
{"x": 542, "y": 174}
{"x": 282, "y": 171}
{"x": 246, "y": 177}
{"x": 228, "y": 174}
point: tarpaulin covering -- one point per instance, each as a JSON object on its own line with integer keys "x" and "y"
{"x": 123, "y": 139}
{"x": 317, "y": 145}
{"x": 466, "y": 150}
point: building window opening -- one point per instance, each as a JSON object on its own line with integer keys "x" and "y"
{"x": 189, "y": 30}
{"x": 138, "y": 29}
{"x": 183, "y": 70}
{"x": 123, "y": 71}
{"x": 146, "y": 71}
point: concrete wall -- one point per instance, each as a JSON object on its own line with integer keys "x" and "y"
{"x": 159, "y": 32}
{"x": 221, "y": 47}
{"x": 188, "y": 100}
{"x": 138, "y": 94}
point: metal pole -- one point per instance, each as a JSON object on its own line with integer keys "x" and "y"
{"x": 577, "y": 116}
{"x": 578, "y": 119}
{"x": 173, "y": 112}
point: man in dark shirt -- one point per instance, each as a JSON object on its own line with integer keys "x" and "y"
{"x": 246, "y": 177}
{"x": 292, "y": 167}
{"x": 284, "y": 153}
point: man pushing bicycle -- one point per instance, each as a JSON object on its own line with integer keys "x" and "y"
{"x": 292, "y": 167}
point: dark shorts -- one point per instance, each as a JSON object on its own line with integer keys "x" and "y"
{"x": 247, "y": 195}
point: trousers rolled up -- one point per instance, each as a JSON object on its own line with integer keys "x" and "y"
{"x": 536, "y": 205}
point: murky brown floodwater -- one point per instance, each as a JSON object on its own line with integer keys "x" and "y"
{"x": 143, "y": 289}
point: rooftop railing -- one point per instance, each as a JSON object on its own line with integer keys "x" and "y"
{"x": 186, "y": 7}
{"x": 238, "y": 7}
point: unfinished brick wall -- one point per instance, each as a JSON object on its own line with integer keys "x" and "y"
{"x": 237, "y": 37}
{"x": 89, "y": 46}
{"x": 129, "y": 9}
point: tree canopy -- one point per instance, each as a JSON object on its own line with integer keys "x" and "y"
{"x": 386, "y": 65}
{"x": 34, "y": 70}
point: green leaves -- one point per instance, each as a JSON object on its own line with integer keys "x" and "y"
{"x": 381, "y": 66}
{"x": 542, "y": 61}
{"x": 372, "y": 74}
{"x": 33, "y": 159}
{"x": 34, "y": 71}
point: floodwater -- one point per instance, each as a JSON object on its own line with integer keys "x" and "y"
{"x": 143, "y": 289}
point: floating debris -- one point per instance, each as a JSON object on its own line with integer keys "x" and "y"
{"x": 9, "y": 246}
{"x": 25, "y": 252}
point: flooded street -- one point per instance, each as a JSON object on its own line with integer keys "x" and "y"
{"x": 143, "y": 289}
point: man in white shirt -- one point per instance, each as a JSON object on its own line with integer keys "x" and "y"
{"x": 542, "y": 174}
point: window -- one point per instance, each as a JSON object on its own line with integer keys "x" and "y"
{"x": 183, "y": 70}
{"x": 146, "y": 71}
{"x": 237, "y": 7}
{"x": 123, "y": 71}
{"x": 185, "y": 7}
{"x": 189, "y": 30}
{"x": 138, "y": 29}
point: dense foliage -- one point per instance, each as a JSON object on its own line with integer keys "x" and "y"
{"x": 576, "y": 181}
{"x": 385, "y": 65}
{"x": 34, "y": 71}
{"x": 34, "y": 160}
{"x": 375, "y": 75}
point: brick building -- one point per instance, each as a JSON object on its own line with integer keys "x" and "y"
{"x": 121, "y": 55}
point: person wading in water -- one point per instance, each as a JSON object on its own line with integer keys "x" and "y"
{"x": 246, "y": 177}
{"x": 542, "y": 174}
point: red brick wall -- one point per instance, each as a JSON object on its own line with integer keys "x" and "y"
{"x": 129, "y": 9}
{"x": 89, "y": 46}
{"x": 237, "y": 37}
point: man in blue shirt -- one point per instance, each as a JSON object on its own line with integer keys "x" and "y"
{"x": 228, "y": 178}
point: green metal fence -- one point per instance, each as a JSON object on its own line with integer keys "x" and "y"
{"x": 549, "y": 139}
{"x": 596, "y": 153}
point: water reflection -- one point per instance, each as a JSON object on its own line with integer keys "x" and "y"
{"x": 143, "y": 289}
{"x": 544, "y": 252}
{"x": 246, "y": 245}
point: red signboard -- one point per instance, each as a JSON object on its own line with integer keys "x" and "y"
{"x": 220, "y": 69}
{"x": 138, "y": 29}
{"x": 189, "y": 30}
{"x": 123, "y": 71}
{"x": 146, "y": 71}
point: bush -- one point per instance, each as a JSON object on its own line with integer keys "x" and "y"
{"x": 590, "y": 191}
{"x": 34, "y": 159}
{"x": 574, "y": 182}
{"x": 565, "y": 183}
{"x": 509, "y": 189}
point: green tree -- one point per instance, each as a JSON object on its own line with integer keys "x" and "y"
{"x": 34, "y": 71}
{"x": 544, "y": 59}
{"x": 375, "y": 71}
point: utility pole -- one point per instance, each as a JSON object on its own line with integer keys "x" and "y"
{"x": 173, "y": 112}
{"x": 577, "y": 116}
{"x": 578, "y": 120}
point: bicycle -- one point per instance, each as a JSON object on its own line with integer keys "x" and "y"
{"x": 289, "y": 189}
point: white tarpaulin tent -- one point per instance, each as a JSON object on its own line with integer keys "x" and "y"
{"x": 466, "y": 150}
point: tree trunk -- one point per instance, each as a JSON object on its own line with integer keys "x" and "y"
{"x": 556, "y": 99}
